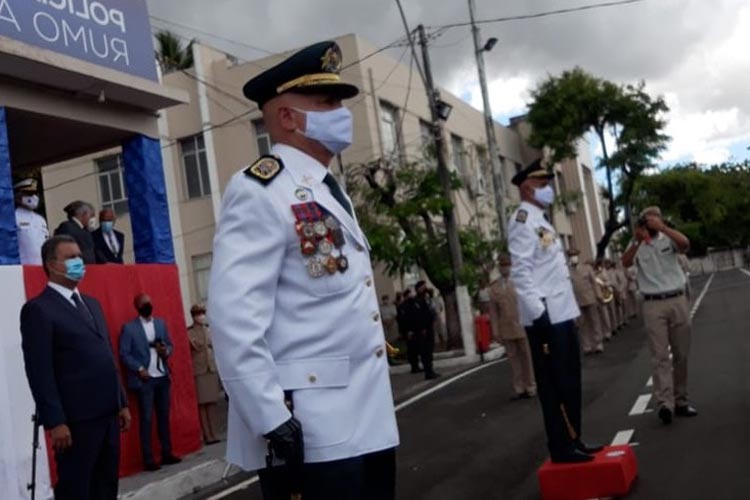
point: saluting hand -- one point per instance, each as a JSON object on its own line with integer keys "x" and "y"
{"x": 61, "y": 438}
{"x": 655, "y": 222}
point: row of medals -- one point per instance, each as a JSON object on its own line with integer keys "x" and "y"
{"x": 318, "y": 240}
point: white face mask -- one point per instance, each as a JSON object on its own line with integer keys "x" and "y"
{"x": 92, "y": 224}
{"x": 333, "y": 129}
{"x": 574, "y": 260}
{"x": 545, "y": 196}
{"x": 30, "y": 202}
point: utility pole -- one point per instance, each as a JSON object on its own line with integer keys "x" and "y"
{"x": 449, "y": 215}
{"x": 498, "y": 183}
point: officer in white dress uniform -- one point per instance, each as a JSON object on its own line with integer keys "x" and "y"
{"x": 548, "y": 308}
{"x": 32, "y": 227}
{"x": 297, "y": 332}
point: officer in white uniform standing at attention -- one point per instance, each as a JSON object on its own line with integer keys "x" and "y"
{"x": 32, "y": 227}
{"x": 548, "y": 309}
{"x": 297, "y": 332}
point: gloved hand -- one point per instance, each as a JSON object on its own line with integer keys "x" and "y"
{"x": 543, "y": 328}
{"x": 542, "y": 321}
{"x": 287, "y": 443}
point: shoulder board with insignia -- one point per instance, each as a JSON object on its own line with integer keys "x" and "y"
{"x": 265, "y": 169}
{"x": 521, "y": 216}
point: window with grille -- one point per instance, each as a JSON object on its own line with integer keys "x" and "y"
{"x": 262, "y": 137}
{"x": 201, "y": 274}
{"x": 459, "y": 155}
{"x": 195, "y": 167}
{"x": 390, "y": 128}
{"x": 112, "y": 191}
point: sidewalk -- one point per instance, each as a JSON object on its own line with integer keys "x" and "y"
{"x": 202, "y": 471}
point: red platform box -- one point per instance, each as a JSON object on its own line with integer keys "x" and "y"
{"x": 610, "y": 474}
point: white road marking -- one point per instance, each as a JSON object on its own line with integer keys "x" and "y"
{"x": 703, "y": 294}
{"x": 249, "y": 482}
{"x": 639, "y": 408}
{"x": 745, "y": 271}
{"x": 458, "y": 377}
{"x": 237, "y": 487}
{"x": 650, "y": 382}
{"x": 623, "y": 437}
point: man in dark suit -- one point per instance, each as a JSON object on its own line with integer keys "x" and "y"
{"x": 144, "y": 349}
{"x": 423, "y": 325}
{"x": 108, "y": 242}
{"x": 73, "y": 377}
{"x": 80, "y": 221}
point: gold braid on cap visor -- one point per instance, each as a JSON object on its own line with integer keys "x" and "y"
{"x": 307, "y": 80}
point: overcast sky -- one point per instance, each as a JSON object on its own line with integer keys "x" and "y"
{"x": 696, "y": 53}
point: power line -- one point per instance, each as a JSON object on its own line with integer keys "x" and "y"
{"x": 212, "y": 35}
{"x": 409, "y": 34}
{"x": 541, "y": 14}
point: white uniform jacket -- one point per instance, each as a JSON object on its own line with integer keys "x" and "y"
{"x": 539, "y": 270}
{"x": 277, "y": 329}
{"x": 32, "y": 233}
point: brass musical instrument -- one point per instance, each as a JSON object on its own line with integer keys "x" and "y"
{"x": 607, "y": 291}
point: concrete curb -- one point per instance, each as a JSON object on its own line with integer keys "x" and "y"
{"x": 182, "y": 483}
{"x": 449, "y": 362}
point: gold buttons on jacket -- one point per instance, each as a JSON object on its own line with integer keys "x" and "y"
{"x": 368, "y": 282}
{"x": 379, "y": 353}
{"x": 312, "y": 378}
{"x": 376, "y": 317}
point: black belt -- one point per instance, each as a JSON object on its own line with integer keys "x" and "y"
{"x": 663, "y": 296}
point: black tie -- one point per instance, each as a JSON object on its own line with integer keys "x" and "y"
{"x": 83, "y": 309}
{"x": 337, "y": 193}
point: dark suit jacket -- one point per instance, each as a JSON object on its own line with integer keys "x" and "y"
{"x": 69, "y": 362}
{"x": 135, "y": 351}
{"x": 417, "y": 315}
{"x": 103, "y": 254}
{"x": 82, "y": 237}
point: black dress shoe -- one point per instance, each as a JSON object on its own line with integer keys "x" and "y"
{"x": 665, "y": 414}
{"x": 522, "y": 395}
{"x": 587, "y": 448}
{"x": 416, "y": 370}
{"x": 685, "y": 411}
{"x": 572, "y": 457}
{"x": 431, "y": 376}
{"x": 151, "y": 466}
{"x": 170, "y": 460}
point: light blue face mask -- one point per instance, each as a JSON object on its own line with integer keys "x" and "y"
{"x": 108, "y": 226}
{"x": 333, "y": 129}
{"x": 75, "y": 269}
{"x": 545, "y": 196}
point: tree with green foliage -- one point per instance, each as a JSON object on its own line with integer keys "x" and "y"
{"x": 565, "y": 108}
{"x": 710, "y": 205}
{"x": 171, "y": 54}
{"x": 400, "y": 210}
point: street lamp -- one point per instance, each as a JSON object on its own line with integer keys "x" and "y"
{"x": 443, "y": 109}
{"x": 490, "y": 44}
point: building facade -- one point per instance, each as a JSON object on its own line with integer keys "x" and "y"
{"x": 205, "y": 142}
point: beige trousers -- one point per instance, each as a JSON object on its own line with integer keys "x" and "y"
{"x": 590, "y": 328}
{"x": 519, "y": 356}
{"x": 668, "y": 327}
{"x": 631, "y": 304}
{"x": 605, "y": 320}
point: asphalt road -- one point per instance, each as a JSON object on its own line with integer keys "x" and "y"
{"x": 469, "y": 441}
